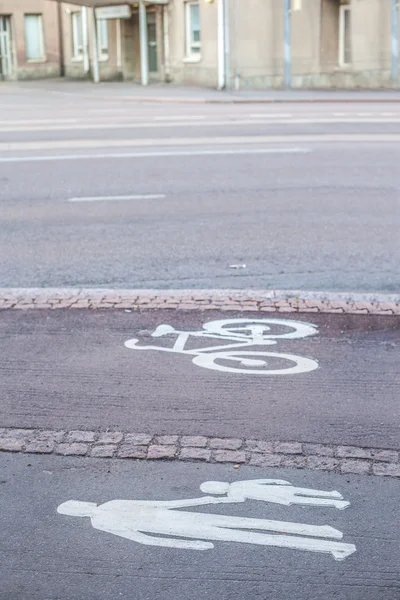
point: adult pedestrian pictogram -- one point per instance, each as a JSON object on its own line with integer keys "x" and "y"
{"x": 159, "y": 523}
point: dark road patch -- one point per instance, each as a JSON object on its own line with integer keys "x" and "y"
{"x": 71, "y": 370}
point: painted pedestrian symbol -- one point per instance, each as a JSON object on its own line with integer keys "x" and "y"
{"x": 277, "y": 491}
{"x": 153, "y": 523}
{"x": 236, "y": 357}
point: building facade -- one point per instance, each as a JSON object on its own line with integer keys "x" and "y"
{"x": 334, "y": 43}
{"x": 29, "y": 39}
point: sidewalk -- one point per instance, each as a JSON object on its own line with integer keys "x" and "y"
{"x": 198, "y": 95}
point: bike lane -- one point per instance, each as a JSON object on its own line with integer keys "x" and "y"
{"x": 75, "y": 392}
{"x": 70, "y": 370}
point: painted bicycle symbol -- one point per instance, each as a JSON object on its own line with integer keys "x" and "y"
{"x": 236, "y": 357}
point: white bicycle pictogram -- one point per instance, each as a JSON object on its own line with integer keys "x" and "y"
{"x": 245, "y": 333}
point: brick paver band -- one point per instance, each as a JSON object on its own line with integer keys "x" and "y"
{"x": 236, "y": 451}
{"x": 226, "y": 300}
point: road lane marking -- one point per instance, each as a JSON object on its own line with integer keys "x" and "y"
{"x": 180, "y": 118}
{"x": 166, "y": 154}
{"x": 246, "y": 334}
{"x": 271, "y": 115}
{"x": 221, "y": 140}
{"x": 39, "y": 122}
{"x": 112, "y": 198}
{"x": 199, "y": 123}
{"x": 153, "y": 523}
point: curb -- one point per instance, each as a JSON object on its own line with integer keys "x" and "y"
{"x": 225, "y": 101}
{"x": 227, "y": 300}
{"x": 387, "y": 99}
{"x": 142, "y": 446}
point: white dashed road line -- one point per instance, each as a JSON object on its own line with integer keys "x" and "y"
{"x": 167, "y": 153}
{"x": 108, "y": 198}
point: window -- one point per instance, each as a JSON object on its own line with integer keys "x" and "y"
{"x": 102, "y": 38}
{"x": 193, "y": 38}
{"x": 77, "y": 35}
{"x": 344, "y": 36}
{"x": 34, "y": 40}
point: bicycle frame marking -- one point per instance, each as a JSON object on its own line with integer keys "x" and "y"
{"x": 206, "y": 357}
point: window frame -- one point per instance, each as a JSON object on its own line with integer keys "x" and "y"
{"x": 343, "y": 9}
{"x": 190, "y": 55}
{"x": 77, "y": 50}
{"x": 42, "y": 46}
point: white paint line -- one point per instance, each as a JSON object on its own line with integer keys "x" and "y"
{"x": 107, "y": 144}
{"x": 147, "y": 124}
{"x": 112, "y": 198}
{"x": 328, "y": 120}
{"x": 38, "y": 121}
{"x": 190, "y": 123}
{"x": 167, "y": 153}
{"x": 271, "y": 115}
{"x": 180, "y": 118}
{"x": 162, "y": 142}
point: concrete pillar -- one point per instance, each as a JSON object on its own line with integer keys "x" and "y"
{"x": 95, "y": 64}
{"x": 144, "y": 54}
{"x": 167, "y": 67}
{"x": 287, "y": 49}
{"x": 395, "y": 42}
{"x": 85, "y": 40}
{"x": 221, "y": 45}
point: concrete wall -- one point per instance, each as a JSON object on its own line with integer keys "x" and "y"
{"x": 371, "y": 35}
{"x": 184, "y": 70}
{"x": 257, "y": 40}
{"x": 257, "y": 44}
{"x": 50, "y": 65}
{"x": 370, "y": 43}
{"x": 329, "y": 44}
{"x": 130, "y": 54}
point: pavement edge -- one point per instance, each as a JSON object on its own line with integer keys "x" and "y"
{"x": 238, "y": 300}
{"x": 143, "y": 446}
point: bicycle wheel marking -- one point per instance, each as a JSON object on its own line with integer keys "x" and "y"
{"x": 302, "y": 365}
{"x": 238, "y": 338}
{"x": 234, "y": 326}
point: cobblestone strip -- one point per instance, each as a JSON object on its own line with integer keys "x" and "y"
{"x": 117, "y": 444}
{"x": 227, "y": 300}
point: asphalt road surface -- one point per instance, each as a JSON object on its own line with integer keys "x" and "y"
{"x": 51, "y": 556}
{"x": 70, "y": 369}
{"x": 306, "y": 196}
{"x": 100, "y": 191}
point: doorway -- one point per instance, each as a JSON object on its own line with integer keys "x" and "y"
{"x": 5, "y": 47}
{"x": 152, "y": 42}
